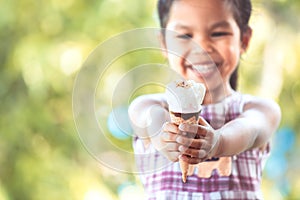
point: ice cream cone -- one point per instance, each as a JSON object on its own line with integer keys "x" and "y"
{"x": 190, "y": 118}
{"x": 184, "y": 99}
{"x": 184, "y": 166}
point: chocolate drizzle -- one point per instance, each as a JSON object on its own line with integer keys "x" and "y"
{"x": 186, "y": 116}
{"x": 212, "y": 159}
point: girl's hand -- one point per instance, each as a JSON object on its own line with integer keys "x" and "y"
{"x": 169, "y": 145}
{"x": 198, "y": 142}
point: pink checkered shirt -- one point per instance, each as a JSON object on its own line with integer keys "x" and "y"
{"x": 162, "y": 178}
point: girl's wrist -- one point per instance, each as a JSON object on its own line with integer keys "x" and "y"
{"x": 216, "y": 150}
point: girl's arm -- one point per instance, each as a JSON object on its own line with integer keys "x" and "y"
{"x": 252, "y": 129}
{"x": 149, "y": 118}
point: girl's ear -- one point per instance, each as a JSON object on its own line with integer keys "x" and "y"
{"x": 163, "y": 46}
{"x": 246, "y": 37}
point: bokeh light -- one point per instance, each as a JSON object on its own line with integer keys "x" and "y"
{"x": 118, "y": 123}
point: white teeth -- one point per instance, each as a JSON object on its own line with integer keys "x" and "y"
{"x": 204, "y": 68}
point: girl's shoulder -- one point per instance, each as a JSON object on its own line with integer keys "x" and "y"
{"x": 251, "y": 101}
{"x": 262, "y": 105}
{"x": 247, "y": 101}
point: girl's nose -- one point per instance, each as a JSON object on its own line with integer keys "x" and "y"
{"x": 202, "y": 45}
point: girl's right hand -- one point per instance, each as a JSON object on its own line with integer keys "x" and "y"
{"x": 168, "y": 137}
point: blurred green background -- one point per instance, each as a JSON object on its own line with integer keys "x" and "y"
{"x": 43, "y": 45}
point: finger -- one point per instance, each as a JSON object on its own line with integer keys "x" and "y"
{"x": 169, "y": 137}
{"x": 193, "y": 143}
{"x": 201, "y": 144}
{"x": 170, "y": 127}
{"x": 187, "y": 142}
{"x": 203, "y": 122}
{"x": 188, "y": 128}
{"x": 191, "y": 128}
{"x": 173, "y": 156}
{"x": 194, "y": 129}
{"x": 195, "y": 153}
{"x": 190, "y": 160}
{"x": 171, "y": 147}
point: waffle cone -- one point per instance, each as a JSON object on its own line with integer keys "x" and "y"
{"x": 189, "y": 118}
{"x": 184, "y": 166}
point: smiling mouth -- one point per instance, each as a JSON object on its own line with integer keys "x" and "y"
{"x": 204, "y": 69}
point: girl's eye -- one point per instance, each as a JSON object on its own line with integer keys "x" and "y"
{"x": 185, "y": 36}
{"x": 219, "y": 34}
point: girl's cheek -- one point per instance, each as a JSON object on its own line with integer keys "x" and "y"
{"x": 177, "y": 47}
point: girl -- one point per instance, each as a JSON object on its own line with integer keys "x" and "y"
{"x": 240, "y": 130}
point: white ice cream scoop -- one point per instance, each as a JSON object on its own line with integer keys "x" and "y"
{"x": 185, "y": 96}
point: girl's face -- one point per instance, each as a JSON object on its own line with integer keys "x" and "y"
{"x": 204, "y": 43}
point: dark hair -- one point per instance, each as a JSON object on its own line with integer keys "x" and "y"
{"x": 241, "y": 12}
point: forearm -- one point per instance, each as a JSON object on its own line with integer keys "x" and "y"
{"x": 147, "y": 115}
{"x": 236, "y": 137}
{"x": 252, "y": 129}
{"x": 156, "y": 117}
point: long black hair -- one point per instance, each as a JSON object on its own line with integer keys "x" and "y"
{"x": 241, "y": 11}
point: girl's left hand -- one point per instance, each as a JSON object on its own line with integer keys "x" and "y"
{"x": 198, "y": 142}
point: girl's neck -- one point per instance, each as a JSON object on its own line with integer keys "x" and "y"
{"x": 217, "y": 94}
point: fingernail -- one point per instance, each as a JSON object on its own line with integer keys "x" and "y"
{"x": 181, "y": 126}
{"x": 164, "y": 135}
{"x": 179, "y": 139}
{"x": 180, "y": 148}
{"x": 183, "y": 157}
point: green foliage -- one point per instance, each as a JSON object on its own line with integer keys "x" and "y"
{"x": 40, "y": 153}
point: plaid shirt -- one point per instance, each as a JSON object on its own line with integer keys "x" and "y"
{"x": 162, "y": 178}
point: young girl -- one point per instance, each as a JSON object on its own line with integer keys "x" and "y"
{"x": 232, "y": 124}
